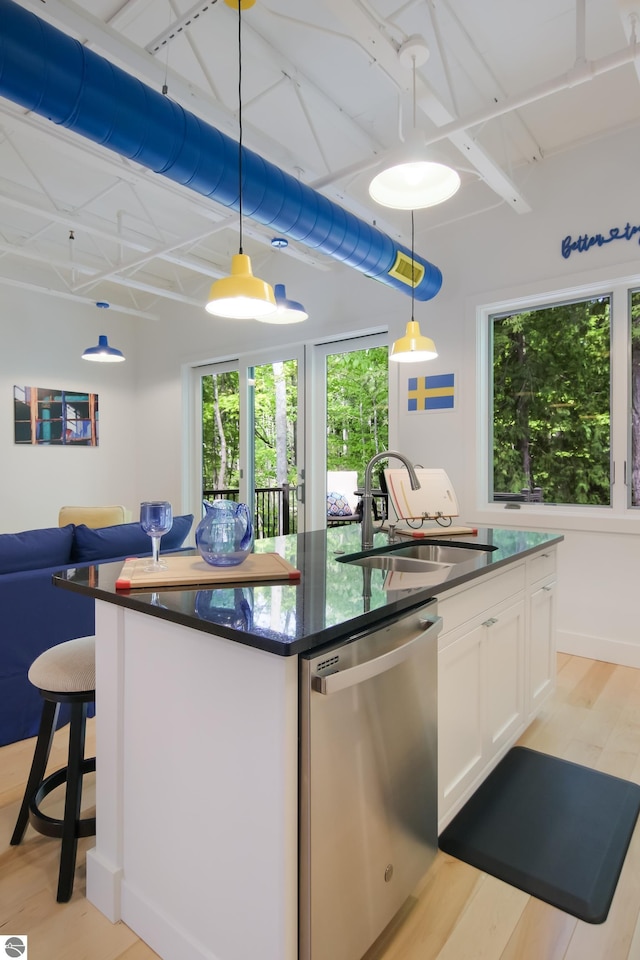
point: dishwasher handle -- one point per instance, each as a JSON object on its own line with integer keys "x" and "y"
{"x": 333, "y": 682}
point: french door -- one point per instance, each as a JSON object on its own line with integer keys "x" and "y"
{"x": 248, "y": 436}
{"x": 347, "y": 415}
{"x": 265, "y": 426}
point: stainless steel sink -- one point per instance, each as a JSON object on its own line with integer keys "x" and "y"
{"x": 437, "y": 553}
{"x": 402, "y": 564}
{"x": 420, "y": 557}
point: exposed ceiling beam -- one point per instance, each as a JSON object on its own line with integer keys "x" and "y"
{"x": 107, "y": 162}
{"x": 66, "y": 295}
{"x": 81, "y": 221}
{"x": 75, "y": 19}
{"x": 462, "y": 46}
{"x": 144, "y": 65}
{"x": 118, "y": 279}
{"x": 158, "y": 253}
{"x": 156, "y": 291}
{"x": 176, "y": 27}
{"x": 66, "y": 12}
{"x": 582, "y": 72}
{"x": 629, "y": 11}
{"x": 385, "y": 53}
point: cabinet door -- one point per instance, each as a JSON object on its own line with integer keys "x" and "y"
{"x": 542, "y": 645}
{"x": 460, "y": 696}
{"x": 503, "y": 662}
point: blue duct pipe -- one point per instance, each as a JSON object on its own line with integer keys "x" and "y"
{"x": 55, "y": 76}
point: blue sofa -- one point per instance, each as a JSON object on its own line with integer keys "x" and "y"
{"x": 35, "y": 615}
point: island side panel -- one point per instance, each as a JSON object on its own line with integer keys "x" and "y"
{"x": 104, "y": 860}
{"x": 207, "y": 793}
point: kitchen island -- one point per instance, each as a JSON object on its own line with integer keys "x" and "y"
{"x": 197, "y": 731}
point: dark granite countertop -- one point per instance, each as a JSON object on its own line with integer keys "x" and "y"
{"x": 332, "y": 599}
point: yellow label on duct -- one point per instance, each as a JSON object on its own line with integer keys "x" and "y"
{"x": 405, "y": 269}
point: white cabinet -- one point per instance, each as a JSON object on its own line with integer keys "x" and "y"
{"x": 504, "y": 660}
{"x": 541, "y": 665}
{"x": 496, "y": 666}
{"x": 460, "y": 706}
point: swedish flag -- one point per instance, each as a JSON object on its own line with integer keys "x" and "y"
{"x": 431, "y": 393}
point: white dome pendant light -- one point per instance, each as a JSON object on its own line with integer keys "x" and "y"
{"x": 410, "y": 180}
{"x": 413, "y": 347}
{"x": 241, "y": 296}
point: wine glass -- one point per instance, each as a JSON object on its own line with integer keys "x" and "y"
{"x": 156, "y": 519}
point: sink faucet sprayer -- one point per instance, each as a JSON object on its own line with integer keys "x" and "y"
{"x": 367, "y": 499}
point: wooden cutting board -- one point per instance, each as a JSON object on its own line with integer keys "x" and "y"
{"x": 435, "y": 531}
{"x": 434, "y": 498}
{"x": 191, "y": 571}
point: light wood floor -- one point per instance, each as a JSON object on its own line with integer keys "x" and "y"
{"x": 458, "y": 913}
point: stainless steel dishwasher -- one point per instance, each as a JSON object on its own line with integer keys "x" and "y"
{"x": 368, "y": 750}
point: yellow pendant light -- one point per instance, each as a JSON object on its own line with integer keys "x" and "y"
{"x": 241, "y": 296}
{"x": 413, "y": 347}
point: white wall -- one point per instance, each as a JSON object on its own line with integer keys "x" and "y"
{"x": 41, "y": 340}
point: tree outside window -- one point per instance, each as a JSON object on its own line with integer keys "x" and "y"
{"x": 357, "y": 408}
{"x": 552, "y": 403}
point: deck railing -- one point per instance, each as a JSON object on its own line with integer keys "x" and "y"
{"x": 274, "y": 510}
{"x": 525, "y": 496}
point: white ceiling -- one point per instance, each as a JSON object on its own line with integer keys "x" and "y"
{"x": 326, "y": 93}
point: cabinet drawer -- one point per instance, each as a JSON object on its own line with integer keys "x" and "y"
{"x": 472, "y": 601}
{"x": 541, "y": 565}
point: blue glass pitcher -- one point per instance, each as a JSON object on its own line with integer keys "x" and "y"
{"x": 224, "y": 536}
{"x": 231, "y": 608}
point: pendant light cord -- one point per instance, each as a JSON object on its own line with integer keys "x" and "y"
{"x": 413, "y": 268}
{"x": 414, "y": 93}
{"x": 413, "y": 265}
{"x": 240, "y": 116}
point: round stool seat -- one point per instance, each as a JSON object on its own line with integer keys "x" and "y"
{"x": 68, "y": 667}
{"x": 63, "y": 674}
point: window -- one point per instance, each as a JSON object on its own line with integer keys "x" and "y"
{"x": 551, "y": 403}
{"x": 634, "y": 310}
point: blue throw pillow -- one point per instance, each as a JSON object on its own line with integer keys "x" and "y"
{"x": 338, "y": 506}
{"x": 36, "y": 549}
{"x": 178, "y": 533}
{"x": 124, "y": 540}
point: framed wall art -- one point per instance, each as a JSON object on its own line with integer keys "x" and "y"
{"x": 52, "y": 417}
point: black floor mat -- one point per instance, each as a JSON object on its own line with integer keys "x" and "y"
{"x": 555, "y": 829}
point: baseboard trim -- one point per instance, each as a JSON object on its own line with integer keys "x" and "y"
{"x": 159, "y": 931}
{"x": 598, "y": 648}
{"x": 103, "y": 885}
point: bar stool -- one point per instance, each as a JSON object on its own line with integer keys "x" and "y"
{"x": 63, "y": 674}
